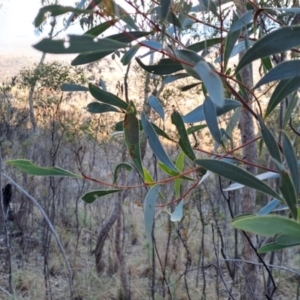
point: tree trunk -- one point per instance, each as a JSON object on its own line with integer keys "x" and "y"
{"x": 253, "y": 285}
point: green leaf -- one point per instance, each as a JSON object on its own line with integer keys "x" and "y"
{"x": 97, "y": 30}
{"x": 288, "y": 191}
{"x": 90, "y": 197}
{"x": 212, "y": 82}
{"x": 196, "y": 128}
{"x": 68, "y": 87}
{"x": 99, "y": 108}
{"x": 173, "y": 173}
{"x": 236, "y": 174}
{"x": 189, "y": 86}
{"x": 147, "y": 176}
{"x": 282, "y": 90}
{"x": 229, "y": 45}
{"x": 125, "y": 166}
{"x": 197, "y": 114}
{"x": 204, "y": 45}
{"x": 278, "y": 41}
{"x": 163, "y": 67}
{"x": 156, "y": 106}
{"x": 132, "y": 137}
{"x": 125, "y": 16}
{"x": 269, "y": 140}
{"x": 149, "y": 211}
{"x": 269, "y": 207}
{"x": 35, "y": 170}
{"x": 184, "y": 142}
{"x": 127, "y": 57}
{"x": 56, "y": 10}
{"x": 268, "y": 225}
{"x": 284, "y": 70}
{"x": 107, "y": 97}
{"x": 290, "y": 109}
{"x": 179, "y": 165}
{"x": 164, "y": 9}
{"x": 210, "y": 114}
{"x": 291, "y": 160}
{"x": 287, "y": 240}
{"x": 177, "y": 214}
{"x": 242, "y": 22}
{"x": 272, "y": 247}
{"x": 79, "y": 44}
{"x": 155, "y": 144}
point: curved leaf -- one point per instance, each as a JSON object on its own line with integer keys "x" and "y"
{"x": 156, "y": 105}
{"x": 155, "y": 144}
{"x": 177, "y": 214}
{"x": 269, "y": 140}
{"x": 149, "y": 211}
{"x": 291, "y": 160}
{"x": 197, "y": 114}
{"x": 92, "y": 196}
{"x": 132, "y": 137}
{"x": 179, "y": 165}
{"x": 99, "y": 108}
{"x": 284, "y": 70}
{"x": 282, "y": 90}
{"x": 32, "y": 169}
{"x": 127, "y": 57}
{"x": 197, "y": 47}
{"x": 107, "y": 97}
{"x": 172, "y": 78}
{"x": 163, "y": 67}
{"x": 212, "y": 82}
{"x": 125, "y": 166}
{"x": 277, "y": 41}
{"x": 269, "y": 207}
{"x": 236, "y": 174}
{"x": 272, "y": 247}
{"x": 97, "y": 30}
{"x": 56, "y": 10}
{"x": 184, "y": 142}
{"x": 287, "y": 240}
{"x": 69, "y": 87}
{"x": 290, "y": 109}
{"x": 172, "y": 173}
{"x": 268, "y": 225}
{"x": 242, "y": 22}
{"x": 210, "y": 114}
{"x": 164, "y": 9}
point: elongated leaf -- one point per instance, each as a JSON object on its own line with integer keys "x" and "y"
{"x": 212, "y": 81}
{"x": 153, "y": 45}
{"x": 269, "y": 207}
{"x": 97, "y": 30}
{"x": 189, "y": 87}
{"x": 197, "y": 114}
{"x": 272, "y": 247}
{"x": 203, "y": 45}
{"x": 32, "y": 169}
{"x": 79, "y": 44}
{"x": 290, "y": 109}
{"x": 184, "y": 142}
{"x": 230, "y": 41}
{"x": 196, "y": 128}
{"x": 163, "y": 67}
{"x": 287, "y": 240}
{"x": 177, "y": 214}
{"x": 282, "y": 90}
{"x": 99, "y": 108}
{"x": 268, "y": 225}
{"x": 147, "y": 176}
{"x": 289, "y": 193}
{"x": 120, "y": 166}
{"x": 92, "y": 196}
{"x": 262, "y": 176}
{"x": 172, "y": 173}
{"x": 125, "y": 16}
{"x": 156, "y": 105}
{"x": 242, "y": 22}
{"x": 284, "y": 70}
{"x": 210, "y": 114}
{"x": 127, "y": 57}
{"x": 132, "y": 137}
{"x": 56, "y": 10}
{"x": 236, "y": 174}
{"x": 179, "y": 165}
{"x": 172, "y": 78}
{"x": 155, "y": 144}
{"x": 291, "y": 160}
{"x": 277, "y": 41}
{"x": 164, "y": 10}
{"x": 69, "y": 87}
{"x": 149, "y": 211}
{"x": 269, "y": 140}
{"x": 107, "y": 97}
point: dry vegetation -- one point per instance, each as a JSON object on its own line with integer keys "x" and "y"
{"x": 193, "y": 258}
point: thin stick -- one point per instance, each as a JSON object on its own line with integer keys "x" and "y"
{"x": 51, "y": 229}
